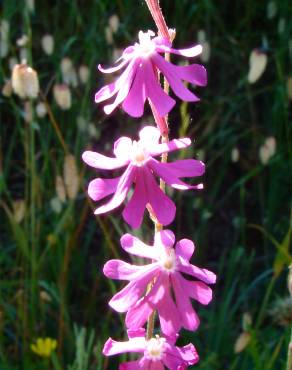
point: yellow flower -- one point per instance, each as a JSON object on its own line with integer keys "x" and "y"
{"x": 44, "y": 346}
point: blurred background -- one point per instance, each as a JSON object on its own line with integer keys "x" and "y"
{"x": 53, "y": 296}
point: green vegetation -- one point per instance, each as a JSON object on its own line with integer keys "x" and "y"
{"x": 53, "y": 247}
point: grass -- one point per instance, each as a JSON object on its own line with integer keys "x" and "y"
{"x": 51, "y": 262}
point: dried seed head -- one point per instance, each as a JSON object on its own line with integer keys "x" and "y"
{"x": 69, "y": 74}
{"x": 267, "y": 150}
{"x": 246, "y": 321}
{"x": 70, "y": 175}
{"x": 257, "y": 65}
{"x": 44, "y": 296}
{"x": 234, "y": 155}
{"x": 22, "y": 41}
{"x": 48, "y": 44}
{"x": 56, "y": 205}
{"x": 25, "y": 82}
{"x": 62, "y": 96}
{"x": 18, "y": 210}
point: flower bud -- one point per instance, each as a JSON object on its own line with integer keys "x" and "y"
{"x": 62, "y": 96}
{"x": 234, "y": 155}
{"x": 68, "y": 72}
{"x": 48, "y": 44}
{"x": 114, "y": 23}
{"x": 41, "y": 110}
{"x": 25, "y": 81}
{"x": 257, "y": 65}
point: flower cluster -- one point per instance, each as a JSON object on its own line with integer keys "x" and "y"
{"x": 169, "y": 282}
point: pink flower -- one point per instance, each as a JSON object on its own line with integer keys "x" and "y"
{"x": 140, "y": 78}
{"x": 140, "y": 170}
{"x": 156, "y": 353}
{"x": 166, "y": 272}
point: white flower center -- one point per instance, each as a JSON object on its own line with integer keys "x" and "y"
{"x": 168, "y": 261}
{"x": 155, "y": 348}
{"x": 139, "y": 155}
{"x": 146, "y": 46}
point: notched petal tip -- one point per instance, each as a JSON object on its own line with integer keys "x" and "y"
{"x": 107, "y": 347}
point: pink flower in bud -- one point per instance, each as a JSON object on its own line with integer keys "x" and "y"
{"x": 156, "y": 353}
{"x": 141, "y": 166}
{"x": 139, "y": 81}
{"x": 166, "y": 272}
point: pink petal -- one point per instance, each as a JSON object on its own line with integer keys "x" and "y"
{"x": 165, "y": 238}
{"x": 112, "y": 347}
{"x": 175, "y": 82}
{"x": 124, "y": 87}
{"x": 149, "y": 135}
{"x": 134, "y": 210}
{"x": 115, "y": 68}
{"x": 131, "y": 365}
{"x": 193, "y": 73}
{"x": 120, "y": 270}
{"x": 184, "y": 248}
{"x": 162, "y": 102}
{"x": 202, "y": 274}
{"x": 128, "y": 296}
{"x": 133, "y": 245}
{"x": 169, "y": 176}
{"x": 198, "y": 291}
{"x": 189, "y": 318}
{"x": 100, "y": 161}
{"x": 121, "y": 192}
{"x": 171, "y": 146}
{"x": 179, "y": 358}
{"x": 163, "y": 207}
{"x": 187, "y": 167}
{"x": 100, "y": 188}
{"x": 123, "y": 148}
{"x": 135, "y": 100}
{"x": 189, "y": 52}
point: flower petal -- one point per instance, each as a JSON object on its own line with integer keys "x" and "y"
{"x": 187, "y": 167}
{"x": 100, "y": 161}
{"x": 120, "y": 270}
{"x": 175, "y": 82}
{"x": 134, "y": 210}
{"x": 198, "y": 291}
{"x": 171, "y": 146}
{"x": 135, "y": 246}
{"x": 166, "y": 238}
{"x": 135, "y": 100}
{"x": 184, "y": 248}
{"x": 112, "y": 347}
{"x": 124, "y": 87}
{"x": 193, "y": 73}
{"x": 189, "y": 52}
{"x": 121, "y": 192}
{"x": 149, "y": 135}
{"x": 169, "y": 175}
{"x": 189, "y": 318}
{"x": 113, "y": 69}
{"x": 163, "y": 207}
{"x": 202, "y": 274}
{"x": 131, "y": 365}
{"x": 100, "y": 188}
{"x": 162, "y": 102}
{"x": 123, "y": 147}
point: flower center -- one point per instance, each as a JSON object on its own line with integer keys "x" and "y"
{"x": 138, "y": 156}
{"x": 146, "y": 46}
{"x": 168, "y": 261}
{"x": 155, "y": 348}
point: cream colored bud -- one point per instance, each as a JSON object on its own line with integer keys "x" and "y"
{"x": 271, "y": 9}
{"x": 201, "y": 36}
{"x": 30, "y": 5}
{"x": 44, "y": 296}
{"x": 22, "y": 41}
{"x": 108, "y": 35}
{"x": 56, "y": 205}
{"x": 114, "y": 23}
{"x": 7, "y": 89}
{"x": 62, "y": 96}
{"x": 267, "y": 150}
{"x": 205, "y": 56}
{"x": 246, "y": 321}
{"x": 60, "y": 189}
{"x": 41, "y": 110}
{"x": 48, "y": 44}
{"x": 70, "y": 175}
{"x": 241, "y": 342}
{"x": 69, "y": 74}
{"x": 25, "y": 82}
{"x": 66, "y": 65}
{"x": 83, "y": 73}
{"x": 4, "y": 38}
{"x": 18, "y": 210}
{"x": 289, "y": 88}
{"x": 234, "y": 155}
{"x": 257, "y": 65}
